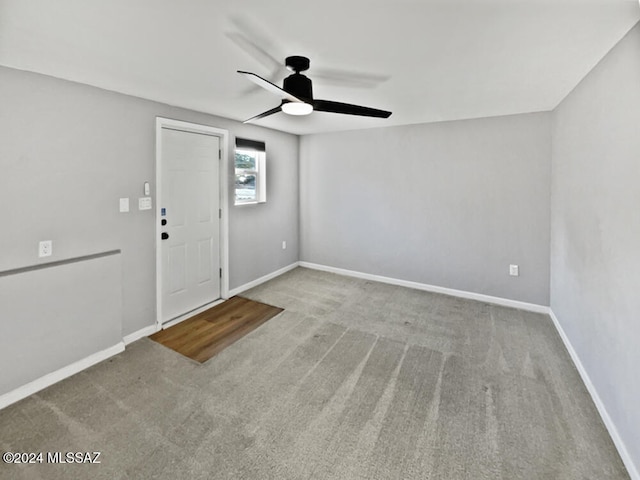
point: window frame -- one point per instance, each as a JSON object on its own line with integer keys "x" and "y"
{"x": 259, "y": 171}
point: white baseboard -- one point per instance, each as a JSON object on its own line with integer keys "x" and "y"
{"x": 611, "y": 427}
{"x": 54, "y": 377}
{"x": 258, "y": 281}
{"x": 505, "y": 302}
{"x": 143, "y": 332}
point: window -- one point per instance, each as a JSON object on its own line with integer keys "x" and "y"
{"x": 251, "y": 185}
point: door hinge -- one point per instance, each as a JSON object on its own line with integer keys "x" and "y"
{"x": 219, "y": 213}
{"x": 220, "y": 273}
{"x": 219, "y": 154}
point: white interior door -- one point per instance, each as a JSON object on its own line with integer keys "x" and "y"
{"x": 190, "y": 245}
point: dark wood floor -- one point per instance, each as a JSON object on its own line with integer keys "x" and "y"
{"x": 209, "y": 332}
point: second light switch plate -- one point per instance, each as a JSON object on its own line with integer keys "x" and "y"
{"x": 144, "y": 203}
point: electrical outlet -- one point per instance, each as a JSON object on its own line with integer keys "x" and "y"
{"x": 284, "y": 244}
{"x": 124, "y": 205}
{"x": 45, "y": 248}
{"x": 514, "y": 271}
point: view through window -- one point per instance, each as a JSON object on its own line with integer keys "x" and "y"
{"x": 246, "y": 173}
{"x": 250, "y": 175}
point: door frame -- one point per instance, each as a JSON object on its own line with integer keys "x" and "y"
{"x": 223, "y": 190}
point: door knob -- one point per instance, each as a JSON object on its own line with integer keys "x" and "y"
{"x": 164, "y": 235}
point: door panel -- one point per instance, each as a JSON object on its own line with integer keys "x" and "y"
{"x": 205, "y": 251}
{"x": 176, "y": 268}
{"x": 190, "y": 198}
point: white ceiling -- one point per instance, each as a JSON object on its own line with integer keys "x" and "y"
{"x": 429, "y": 60}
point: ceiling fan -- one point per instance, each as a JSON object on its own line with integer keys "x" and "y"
{"x": 297, "y": 95}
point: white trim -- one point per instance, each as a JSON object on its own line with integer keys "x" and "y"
{"x": 263, "y": 279}
{"x": 192, "y": 313}
{"x": 224, "y": 202}
{"x": 54, "y": 377}
{"x": 632, "y": 470}
{"x": 143, "y": 332}
{"x": 505, "y": 302}
{"x": 224, "y": 206}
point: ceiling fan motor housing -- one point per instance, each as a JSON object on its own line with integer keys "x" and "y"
{"x": 299, "y": 86}
{"x": 296, "y": 63}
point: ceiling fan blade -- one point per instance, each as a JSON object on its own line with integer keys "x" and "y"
{"x": 264, "y": 114}
{"x": 346, "y": 78}
{"x": 255, "y": 41}
{"x": 270, "y": 87}
{"x": 348, "y": 109}
{"x": 260, "y": 54}
{"x": 253, "y": 88}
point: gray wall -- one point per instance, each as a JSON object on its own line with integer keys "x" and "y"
{"x": 595, "y": 230}
{"x": 52, "y": 317}
{"x": 449, "y": 204}
{"x": 69, "y": 151}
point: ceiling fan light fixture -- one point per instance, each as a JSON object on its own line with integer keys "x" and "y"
{"x": 297, "y": 108}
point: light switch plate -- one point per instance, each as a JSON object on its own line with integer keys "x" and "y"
{"x": 514, "y": 271}
{"x": 124, "y": 205}
{"x": 144, "y": 203}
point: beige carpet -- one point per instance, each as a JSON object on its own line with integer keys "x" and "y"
{"x": 355, "y": 380}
